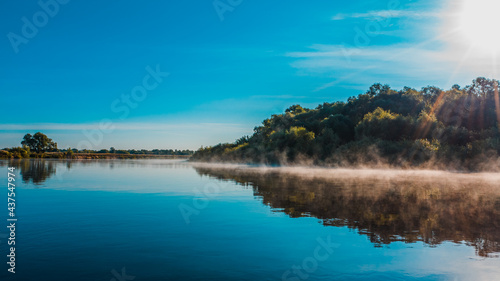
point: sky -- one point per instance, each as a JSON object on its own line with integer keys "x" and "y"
{"x": 184, "y": 74}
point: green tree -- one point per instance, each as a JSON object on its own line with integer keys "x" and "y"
{"x": 28, "y": 141}
{"x": 384, "y": 125}
{"x": 69, "y": 153}
{"x": 378, "y": 89}
{"x": 39, "y": 143}
{"x": 296, "y": 109}
{"x": 20, "y": 152}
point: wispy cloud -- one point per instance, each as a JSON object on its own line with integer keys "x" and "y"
{"x": 385, "y": 14}
{"x": 410, "y": 64}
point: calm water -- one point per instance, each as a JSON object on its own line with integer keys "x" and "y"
{"x": 169, "y": 220}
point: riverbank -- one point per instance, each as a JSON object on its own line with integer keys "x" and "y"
{"x": 62, "y": 155}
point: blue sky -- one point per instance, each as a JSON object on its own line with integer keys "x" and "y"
{"x": 230, "y": 63}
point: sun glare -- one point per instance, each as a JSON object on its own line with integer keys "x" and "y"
{"x": 479, "y": 23}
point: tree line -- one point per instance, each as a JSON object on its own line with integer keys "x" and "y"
{"x": 449, "y": 128}
{"x": 40, "y": 145}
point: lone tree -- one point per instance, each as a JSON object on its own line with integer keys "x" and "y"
{"x": 39, "y": 143}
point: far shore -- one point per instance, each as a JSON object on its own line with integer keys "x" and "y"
{"x": 62, "y": 155}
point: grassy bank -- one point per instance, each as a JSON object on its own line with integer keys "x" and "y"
{"x": 63, "y": 155}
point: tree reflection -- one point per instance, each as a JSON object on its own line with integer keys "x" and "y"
{"x": 386, "y": 210}
{"x": 36, "y": 171}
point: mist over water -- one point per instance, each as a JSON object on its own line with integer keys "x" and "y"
{"x": 368, "y": 172}
{"x": 385, "y": 205}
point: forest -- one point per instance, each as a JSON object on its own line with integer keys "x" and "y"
{"x": 431, "y": 128}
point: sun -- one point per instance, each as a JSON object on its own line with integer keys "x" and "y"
{"x": 478, "y": 24}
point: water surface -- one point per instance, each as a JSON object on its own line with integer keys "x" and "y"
{"x": 171, "y": 220}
